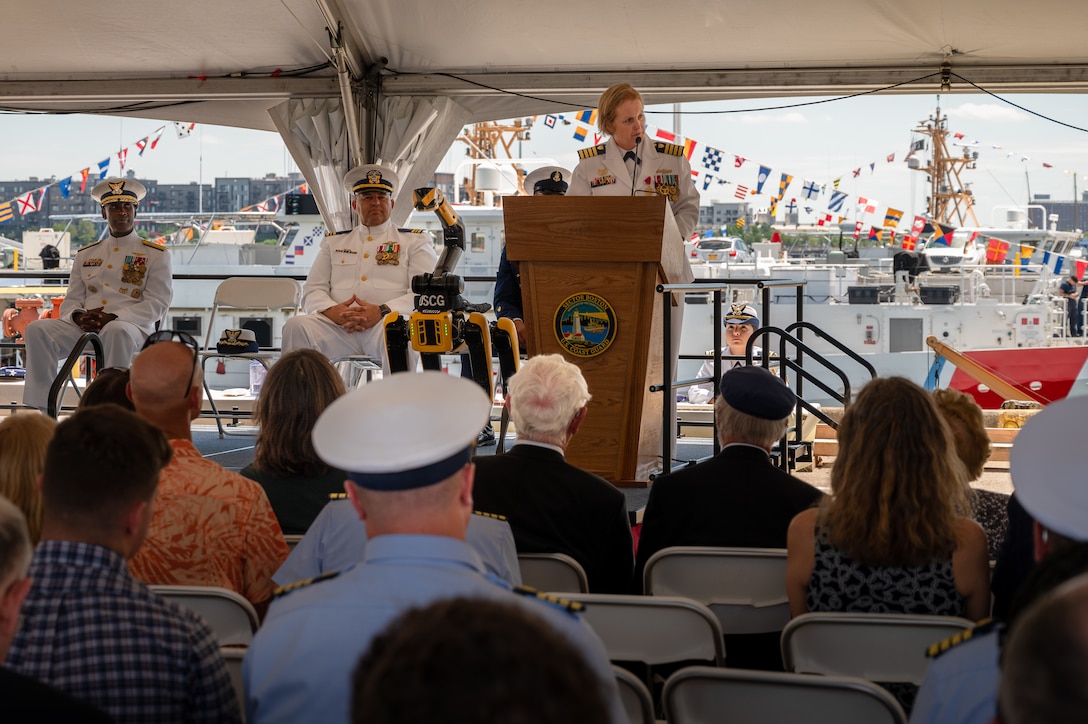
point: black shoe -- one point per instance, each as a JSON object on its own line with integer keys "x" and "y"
{"x": 486, "y": 437}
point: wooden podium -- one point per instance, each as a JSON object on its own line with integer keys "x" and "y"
{"x": 574, "y": 253}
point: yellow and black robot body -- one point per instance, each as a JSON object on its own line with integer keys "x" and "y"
{"x": 444, "y": 322}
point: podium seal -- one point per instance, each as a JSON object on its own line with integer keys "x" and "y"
{"x": 585, "y": 324}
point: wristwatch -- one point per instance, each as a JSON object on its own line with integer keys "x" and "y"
{"x": 384, "y": 309}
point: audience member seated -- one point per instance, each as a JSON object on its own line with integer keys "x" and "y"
{"x": 337, "y": 539}
{"x": 89, "y": 628}
{"x": 416, "y": 500}
{"x": 1015, "y": 558}
{"x": 740, "y": 324}
{"x": 23, "y": 440}
{"x": 553, "y": 506}
{"x": 891, "y": 537}
{"x": 961, "y": 683}
{"x": 964, "y": 418}
{"x": 109, "y": 385}
{"x": 1046, "y": 661}
{"x": 211, "y": 526}
{"x": 473, "y": 660}
{"x": 298, "y": 483}
{"x": 27, "y": 700}
{"x": 738, "y": 498}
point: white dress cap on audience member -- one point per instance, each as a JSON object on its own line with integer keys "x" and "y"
{"x": 1047, "y": 466}
{"x": 404, "y": 431}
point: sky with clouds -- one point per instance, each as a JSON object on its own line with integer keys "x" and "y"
{"x": 811, "y": 139}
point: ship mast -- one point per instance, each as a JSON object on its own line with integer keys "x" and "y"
{"x": 486, "y": 141}
{"x": 949, "y": 202}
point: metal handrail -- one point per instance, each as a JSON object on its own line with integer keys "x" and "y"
{"x": 65, "y": 374}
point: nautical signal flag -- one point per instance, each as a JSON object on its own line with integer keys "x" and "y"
{"x": 742, "y": 192}
{"x": 875, "y": 234}
{"x": 740, "y": 222}
{"x": 764, "y": 174}
{"x": 909, "y": 243}
{"x": 580, "y": 133}
{"x": 892, "y": 217}
{"x": 783, "y": 184}
{"x": 6, "y": 212}
{"x": 588, "y": 117}
{"x": 942, "y": 234}
{"x": 996, "y": 251}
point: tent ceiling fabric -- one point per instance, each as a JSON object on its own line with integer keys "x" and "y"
{"x": 211, "y": 61}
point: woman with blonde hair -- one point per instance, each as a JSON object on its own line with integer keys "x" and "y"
{"x": 23, "y": 440}
{"x": 298, "y": 483}
{"x": 892, "y": 536}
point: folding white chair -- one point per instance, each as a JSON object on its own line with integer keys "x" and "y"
{"x": 231, "y": 617}
{"x": 553, "y": 572}
{"x": 292, "y": 540}
{"x": 246, "y": 294}
{"x": 636, "y": 698}
{"x": 233, "y": 656}
{"x": 884, "y": 647}
{"x": 653, "y": 630}
{"x": 703, "y": 694}
{"x": 744, "y": 587}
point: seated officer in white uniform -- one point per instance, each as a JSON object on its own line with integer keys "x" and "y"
{"x": 406, "y": 444}
{"x": 360, "y": 275}
{"x": 120, "y": 287}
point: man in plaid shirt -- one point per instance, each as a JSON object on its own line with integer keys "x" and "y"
{"x": 89, "y": 628}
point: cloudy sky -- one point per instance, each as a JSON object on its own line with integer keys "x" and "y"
{"x": 816, "y": 141}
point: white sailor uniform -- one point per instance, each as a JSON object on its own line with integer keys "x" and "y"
{"x": 663, "y": 171}
{"x": 375, "y": 264}
{"x": 127, "y": 276}
{"x": 337, "y": 539}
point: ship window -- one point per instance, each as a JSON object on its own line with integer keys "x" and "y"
{"x": 478, "y": 241}
{"x": 905, "y": 335}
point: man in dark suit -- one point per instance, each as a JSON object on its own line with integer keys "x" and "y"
{"x": 737, "y": 498}
{"x": 552, "y": 506}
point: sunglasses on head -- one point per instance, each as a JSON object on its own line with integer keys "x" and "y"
{"x": 173, "y": 335}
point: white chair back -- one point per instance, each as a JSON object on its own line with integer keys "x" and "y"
{"x": 292, "y": 540}
{"x": 233, "y": 656}
{"x": 231, "y": 617}
{"x": 653, "y": 630}
{"x": 744, "y": 587}
{"x": 884, "y": 647}
{"x": 703, "y": 694}
{"x": 552, "y": 572}
{"x": 635, "y": 697}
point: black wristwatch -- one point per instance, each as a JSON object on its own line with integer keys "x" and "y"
{"x": 384, "y": 309}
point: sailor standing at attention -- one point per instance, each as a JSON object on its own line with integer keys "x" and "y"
{"x": 360, "y": 275}
{"x": 120, "y": 287}
{"x": 629, "y": 164}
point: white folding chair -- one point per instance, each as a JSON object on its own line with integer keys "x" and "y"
{"x": 653, "y": 630}
{"x": 704, "y": 694}
{"x": 292, "y": 540}
{"x": 233, "y": 656}
{"x": 636, "y": 698}
{"x": 553, "y": 572}
{"x": 246, "y": 294}
{"x": 884, "y": 647}
{"x": 231, "y": 617}
{"x": 744, "y": 587}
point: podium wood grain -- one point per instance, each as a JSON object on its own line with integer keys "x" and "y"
{"x": 618, "y": 248}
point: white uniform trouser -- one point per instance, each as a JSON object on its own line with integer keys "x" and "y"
{"x": 50, "y": 340}
{"x": 316, "y": 331}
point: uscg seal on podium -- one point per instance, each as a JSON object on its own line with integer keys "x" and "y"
{"x": 585, "y": 324}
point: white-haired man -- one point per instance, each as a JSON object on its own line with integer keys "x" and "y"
{"x": 553, "y": 506}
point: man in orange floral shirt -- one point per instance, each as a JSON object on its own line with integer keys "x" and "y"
{"x": 210, "y": 526}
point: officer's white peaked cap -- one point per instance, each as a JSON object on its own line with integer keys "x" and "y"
{"x": 404, "y": 431}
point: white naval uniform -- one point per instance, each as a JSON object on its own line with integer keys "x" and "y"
{"x": 374, "y": 263}
{"x": 126, "y": 276}
{"x": 663, "y": 170}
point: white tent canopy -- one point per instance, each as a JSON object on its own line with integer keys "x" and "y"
{"x": 418, "y": 71}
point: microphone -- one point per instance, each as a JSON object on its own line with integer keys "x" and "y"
{"x": 638, "y": 162}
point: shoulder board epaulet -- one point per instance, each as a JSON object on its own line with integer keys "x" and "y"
{"x": 496, "y": 516}
{"x": 91, "y": 245}
{"x": 284, "y": 590}
{"x": 671, "y": 149}
{"x": 337, "y": 496}
{"x": 592, "y": 151}
{"x": 564, "y": 603}
{"x": 337, "y": 233}
{"x": 153, "y": 245}
{"x": 955, "y": 640}
{"x": 411, "y": 231}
